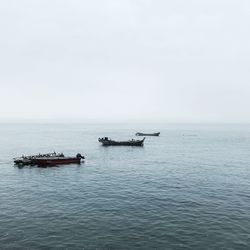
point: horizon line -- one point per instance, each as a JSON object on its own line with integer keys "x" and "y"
{"x": 73, "y": 121}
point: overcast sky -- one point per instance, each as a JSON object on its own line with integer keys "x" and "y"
{"x": 127, "y": 60}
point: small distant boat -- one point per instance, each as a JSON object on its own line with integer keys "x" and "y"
{"x": 108, "y": 142}
{"x": 47, "y": 159}
{"x": 147, "y": 134}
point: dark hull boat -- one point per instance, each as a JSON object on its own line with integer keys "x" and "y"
{"x": 47, "y": 159}
{"x": 147, "y": 134}
{"x": 57, "y": 161}
{"x": 108, "y": 142}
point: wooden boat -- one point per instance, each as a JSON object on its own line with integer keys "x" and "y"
{"x": 147, "y": 134}
{"x": 108, "y": 142}
{"x": 47, "y": 159}
{"x": 58, "y": 160}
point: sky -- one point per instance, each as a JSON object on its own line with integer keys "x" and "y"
{"x": 125, "y": 60}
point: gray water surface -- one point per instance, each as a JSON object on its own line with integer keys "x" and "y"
{"x": 187, "y": 189}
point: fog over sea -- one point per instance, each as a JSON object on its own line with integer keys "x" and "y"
{"x": 187, "y": 189}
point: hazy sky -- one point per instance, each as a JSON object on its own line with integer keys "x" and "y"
{"x": 137, "y": 60}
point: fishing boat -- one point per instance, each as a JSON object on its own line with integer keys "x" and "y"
{"x": 147, "y": 134}
{"x": 58, "y": 160}
{"x": 47, "y": 159}
{"x": 109, "y": 142}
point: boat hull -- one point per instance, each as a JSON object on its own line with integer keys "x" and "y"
{"x": 46, "y": 162}
{"x": 58, "y": 161}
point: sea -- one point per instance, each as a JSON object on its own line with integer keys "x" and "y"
{"x": 189, "y": 188}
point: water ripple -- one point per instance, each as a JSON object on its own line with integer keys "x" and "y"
{"x": 177, "y": 192}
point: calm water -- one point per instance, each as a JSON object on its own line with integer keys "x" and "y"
{"x": 187, "y": 189}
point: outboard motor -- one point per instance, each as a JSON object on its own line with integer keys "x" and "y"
{"x": 80, "y": 156}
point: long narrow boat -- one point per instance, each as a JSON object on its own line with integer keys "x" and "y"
{"x": 58, "y": 160}
{"x": 47, "y": 159}
{"x": 108, "y": 142}
{"x": 147, "y": 134}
